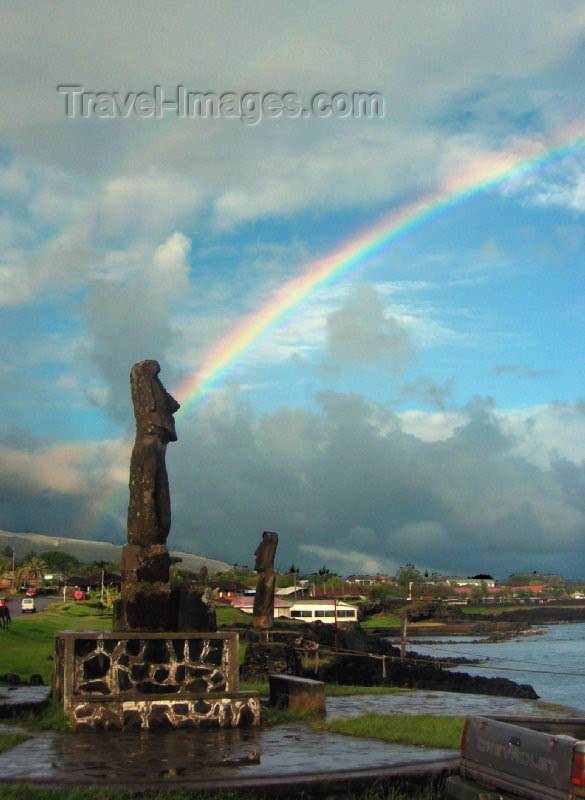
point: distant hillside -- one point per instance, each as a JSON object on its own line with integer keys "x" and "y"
{"x": 87, "y": 551}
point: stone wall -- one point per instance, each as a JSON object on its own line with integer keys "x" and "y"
{"x": 265, "y": 658}
{"x": 151, "y": 680}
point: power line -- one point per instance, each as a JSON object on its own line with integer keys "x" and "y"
{"x": 441, "y": 664}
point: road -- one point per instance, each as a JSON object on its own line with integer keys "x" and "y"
{"x": 40, "y": 602}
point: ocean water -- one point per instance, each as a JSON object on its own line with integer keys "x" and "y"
{"x": 553, "y": 663}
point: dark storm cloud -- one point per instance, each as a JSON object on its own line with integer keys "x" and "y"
{"x": 319, "y": 478}
{"x": 428, "y": 390}
{"x": 343, "y": 484}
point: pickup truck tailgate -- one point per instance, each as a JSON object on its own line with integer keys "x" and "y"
{"x": 518, "y": 760}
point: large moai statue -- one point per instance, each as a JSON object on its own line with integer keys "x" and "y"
{"x": 164, "y": 666}
{"x": 144, "y": 605}
{"x": 263, "y": 612}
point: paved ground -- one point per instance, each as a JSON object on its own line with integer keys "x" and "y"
{"x": 284, "y": 754}
{"x": 40, "y": 602}
{"x": 190, "y": 758}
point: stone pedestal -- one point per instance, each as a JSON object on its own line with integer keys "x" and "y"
{"x": 144, "y": 605}
{"x": 152, "y": 681}
{"x": 191, "y": 608}
{"x": 264, "y": 658}
{"x": 297, "y": 694}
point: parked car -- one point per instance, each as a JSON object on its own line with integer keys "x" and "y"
{"x": 79, "y": 594}
{"x": 32, "y": 592}
{"x": 28, "y": 604}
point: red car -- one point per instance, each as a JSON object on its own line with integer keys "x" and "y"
{"x": 78, "y": 594}
{"x": 32, "y": 592}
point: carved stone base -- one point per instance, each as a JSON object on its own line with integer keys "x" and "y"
{"x": 237, "y": 709}
{"x": 297, "y": 694}
{"x": 265, "y": 658}
{"x": 142, "y": 607}
{"x": 145, "y": 564}
{"x": 155, "y": 681}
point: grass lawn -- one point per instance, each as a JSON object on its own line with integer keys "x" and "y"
{"x": 382, "y": 621}
{"x": 27, "y": 645}
{"x": 491, "y": 611}
{"x": 228, "y": 615}
{"x": 495, "y": 611}
{"x": 28, "y": 792}
{"x": 424, "y": 730}
{"x": 392, "y": 621}
{"x": 8, "y": 740}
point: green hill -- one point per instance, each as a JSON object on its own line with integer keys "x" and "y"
{"x": 87, "y": 551}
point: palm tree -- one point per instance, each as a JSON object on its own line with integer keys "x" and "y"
{"x": 5, "y": 569}
{"x": 34, "y": 569}
{"x": 20, "y": 577}
{"x": 294, "y": 571}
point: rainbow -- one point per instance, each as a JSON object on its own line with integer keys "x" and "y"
{"x": 487, "y": 174}
{"x": 482, "y": 176}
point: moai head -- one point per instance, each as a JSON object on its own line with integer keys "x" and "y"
{"x": 266, "y": 551}
{"x": 153, "y": 405}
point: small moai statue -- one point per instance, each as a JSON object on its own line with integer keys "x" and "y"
{"x": 263, "y": 612}
{"x": 144, "y": 604}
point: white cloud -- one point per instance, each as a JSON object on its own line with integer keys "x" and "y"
{"x": 351, "y": 560}
{"x": 424, "y": 59}
{"x": 168, "y": 271}
{"x": 86, "y": 468}
{"x": 361, "y": 332}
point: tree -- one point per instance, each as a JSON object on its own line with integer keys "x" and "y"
{"x": 406, "y": 575}
{"x": 439, "y": 591}
{"x": 382, "y": 591}
{"x": 28, "y": 556}
{"x": 34, "y": 569}
{"x": 294, "y": 571}
{"x": 59, "y": 561}
{"x": 479, "y": 592}
{"x": 20, "y": 577}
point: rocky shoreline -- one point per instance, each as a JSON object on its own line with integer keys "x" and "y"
{"x": 414, "y": 675}
{"x": 370, "y": 657}
{"x": 352, "y": 656}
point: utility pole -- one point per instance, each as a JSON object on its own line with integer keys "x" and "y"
{"x": 403, "y": 639}
{"x": 13, "y": 567}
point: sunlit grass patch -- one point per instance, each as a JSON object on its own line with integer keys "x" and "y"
{"x": 423, "y": 730}
{"x": 9, "y": 740}
{"x": 339, "y": 690}
{"x": 228, "y": 615}
{"x": 27, "y": 645}
{"x": 29, "y": 792}
{"x": 382, "y": 621}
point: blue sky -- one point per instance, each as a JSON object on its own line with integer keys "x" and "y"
{"x": 426, "y": 407}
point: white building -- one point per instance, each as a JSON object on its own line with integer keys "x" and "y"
{"x": 309, "y": 610}
{"x": 246, "y": 604}
{"x": 329, "y": 611}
